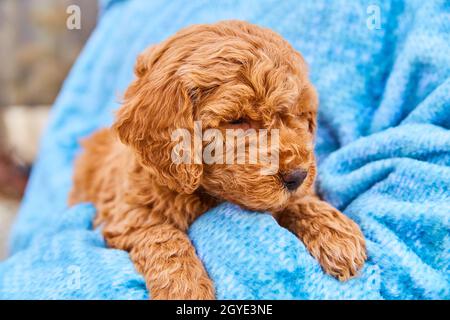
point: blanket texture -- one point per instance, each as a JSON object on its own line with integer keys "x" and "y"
{"x": 382, "y": 69}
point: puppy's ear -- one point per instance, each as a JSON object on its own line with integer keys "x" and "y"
{"x": 144, "y": 61}
{"x": 156, "y": 104}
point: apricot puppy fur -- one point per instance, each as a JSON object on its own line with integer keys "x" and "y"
{"x": 231, "y": 74}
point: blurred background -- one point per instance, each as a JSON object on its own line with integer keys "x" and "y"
{"x": 37, "y": 50}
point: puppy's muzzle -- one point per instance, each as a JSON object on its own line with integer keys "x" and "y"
{"x": 294, "y": 179}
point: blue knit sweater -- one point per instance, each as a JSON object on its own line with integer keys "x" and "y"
{"x": 382, "y": 71}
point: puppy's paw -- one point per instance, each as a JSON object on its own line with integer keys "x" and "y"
{"x": 330, "y": 236}
{"x": 185, "y": 289}
{"x": 340, "y": 249}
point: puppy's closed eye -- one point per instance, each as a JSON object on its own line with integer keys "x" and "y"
{"x": 239, "y": 123}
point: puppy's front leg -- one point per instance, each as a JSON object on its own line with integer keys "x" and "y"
{"x": 167, "y": 259}
{"x": 330, "y": 236}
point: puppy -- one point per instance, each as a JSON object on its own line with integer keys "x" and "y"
{"x": 228, "y": 75}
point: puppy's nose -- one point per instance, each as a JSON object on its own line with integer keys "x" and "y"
{"x": 294, "y": 179}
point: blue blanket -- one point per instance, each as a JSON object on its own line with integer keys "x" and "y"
{"x": 383, "y": 75}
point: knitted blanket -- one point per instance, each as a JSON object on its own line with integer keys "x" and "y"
{"x": 382, "y": 69}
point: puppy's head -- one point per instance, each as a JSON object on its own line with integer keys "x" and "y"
{"x": 229, "y": 75}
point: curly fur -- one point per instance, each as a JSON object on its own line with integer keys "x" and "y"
{"x": 214, "y": 73}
